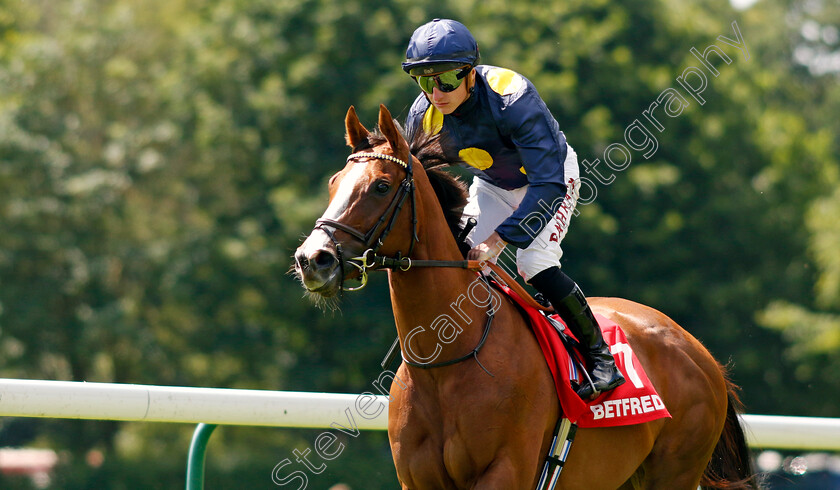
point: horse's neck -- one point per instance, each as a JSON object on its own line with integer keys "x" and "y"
{"x": 438, "y": 309}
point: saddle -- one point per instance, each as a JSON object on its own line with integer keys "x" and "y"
{"x": 633, "y": 402}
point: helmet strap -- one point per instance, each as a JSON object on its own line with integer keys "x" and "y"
{"x": 471, "y": 80}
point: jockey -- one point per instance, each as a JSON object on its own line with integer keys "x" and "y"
{"x": 526, "y": 181}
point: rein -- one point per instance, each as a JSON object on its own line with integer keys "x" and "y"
{"x": 405, "y": 263}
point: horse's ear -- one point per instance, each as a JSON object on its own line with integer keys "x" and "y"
{"x": 390, "y": 131}
{"x": 356, "y": 133}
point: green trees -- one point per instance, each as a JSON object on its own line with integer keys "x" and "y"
{"x": 804, "y": 162}
{"x": 160, "y": 160}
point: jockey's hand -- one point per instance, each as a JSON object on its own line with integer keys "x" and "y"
{"x": 488, "y": 249}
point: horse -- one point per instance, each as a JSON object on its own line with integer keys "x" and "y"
{"x": 485, "y": 419}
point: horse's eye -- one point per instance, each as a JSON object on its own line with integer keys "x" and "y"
{"x": 382, "y": 187}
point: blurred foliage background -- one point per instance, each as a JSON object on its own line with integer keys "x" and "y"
{"x": 161, "y": 159}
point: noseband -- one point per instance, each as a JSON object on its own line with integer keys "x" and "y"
{"x": 374, "y": 238}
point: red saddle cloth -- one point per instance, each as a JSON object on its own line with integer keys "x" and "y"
{"x": 634, "y": 402}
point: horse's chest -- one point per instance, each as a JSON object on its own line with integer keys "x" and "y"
{"x": 439, "y": 457}
{"x": 444, "y": 444}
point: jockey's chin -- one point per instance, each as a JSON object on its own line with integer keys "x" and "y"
{"x": 447, "y": 102}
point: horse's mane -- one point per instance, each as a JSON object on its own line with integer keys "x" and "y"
{"x": 450, "y": 190}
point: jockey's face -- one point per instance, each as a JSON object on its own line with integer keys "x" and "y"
{"x": 447, "y": 102}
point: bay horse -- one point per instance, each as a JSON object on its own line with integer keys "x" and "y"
{"x": 487, "y": 422}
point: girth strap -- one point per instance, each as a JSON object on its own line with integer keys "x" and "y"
{"x": 564, "y": 435}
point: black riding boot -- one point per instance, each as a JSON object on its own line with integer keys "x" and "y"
{"x": 570, "y": 303}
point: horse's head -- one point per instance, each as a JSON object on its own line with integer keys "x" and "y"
{"x": 364, "y": 213}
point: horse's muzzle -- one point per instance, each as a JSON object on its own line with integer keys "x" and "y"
{"x": 318, "y": 267}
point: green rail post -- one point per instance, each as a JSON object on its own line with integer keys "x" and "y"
{"x": 195, "y": 461}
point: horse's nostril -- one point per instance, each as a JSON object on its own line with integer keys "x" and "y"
{"x": 323, "y": 260}
{"x": 301, "y": 261}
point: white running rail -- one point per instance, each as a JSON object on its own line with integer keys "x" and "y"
{"x": 146, "y": 403}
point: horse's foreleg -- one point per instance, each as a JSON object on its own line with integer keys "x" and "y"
{"x": 503, "y": 474}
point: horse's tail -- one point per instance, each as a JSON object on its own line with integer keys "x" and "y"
{"x": 731, "y": 466}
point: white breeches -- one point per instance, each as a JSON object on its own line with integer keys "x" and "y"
{"x": 491, "y": 205}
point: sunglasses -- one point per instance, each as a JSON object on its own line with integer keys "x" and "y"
{"x": 445, "y": 82}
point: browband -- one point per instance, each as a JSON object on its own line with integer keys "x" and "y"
{"x": 380, "y": 156}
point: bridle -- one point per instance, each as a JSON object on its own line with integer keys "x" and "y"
{"x": 374, "y": 238}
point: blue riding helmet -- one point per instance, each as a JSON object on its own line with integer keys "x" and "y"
{"x": 440, "y": 45}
